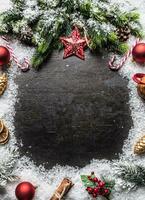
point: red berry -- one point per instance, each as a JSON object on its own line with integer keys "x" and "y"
{"x": 95, "y": 195}
{"x": 106, "y": 191}
{"x": 90, "y": 190}
{"x": 95, "y": 180}
{"x": 96, "y": 190}
{"x": 101, "y": 184}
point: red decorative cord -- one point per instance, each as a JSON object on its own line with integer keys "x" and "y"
{"x": 138, "y": 78}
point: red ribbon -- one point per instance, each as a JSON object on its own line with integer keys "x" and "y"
{"x": 137, "y": 78}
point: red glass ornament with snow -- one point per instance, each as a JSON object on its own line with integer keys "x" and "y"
{"x": 25, "y": 191}
{"x": 138, "y": 53}
{"x": 4, "y": 56}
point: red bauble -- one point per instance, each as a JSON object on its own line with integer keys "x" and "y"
{"x": 25, "y": 191}
{"x": 138, "y": 53}
{"x": 4, "y": 56}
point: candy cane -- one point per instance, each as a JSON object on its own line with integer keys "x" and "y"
{"x": 116, "y": 67}
{"x": 25, "y": 65}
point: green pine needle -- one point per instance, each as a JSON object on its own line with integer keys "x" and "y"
{"x": 56, "y": 18}
{"x": 131, "y": 173}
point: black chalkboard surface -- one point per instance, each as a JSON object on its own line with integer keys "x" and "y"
{"x": 72, "y": 111}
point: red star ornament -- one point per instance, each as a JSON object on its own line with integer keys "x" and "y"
{"x": 74, "y": 44}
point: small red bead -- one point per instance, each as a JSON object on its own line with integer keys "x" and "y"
{"x": 96, "y": 190}
{"x": 95, "y": 195}
{"x": 101, "y": 184}
{"x": 95, "y": 180}
{"x": 106, "y": 191}
{"x": 90, "y": 190}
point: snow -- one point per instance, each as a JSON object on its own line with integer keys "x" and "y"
{"x": 47, "y": 180}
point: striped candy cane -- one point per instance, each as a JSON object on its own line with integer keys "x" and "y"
{"x": 25, "y": 65}
{"x": 116, "y": 67}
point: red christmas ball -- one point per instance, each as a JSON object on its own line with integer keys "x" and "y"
{"x": 4, "y": 56}
{"x": 138, "y": 53}
{"x": 25, "y": 191}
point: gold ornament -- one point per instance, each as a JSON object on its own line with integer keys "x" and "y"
{"x": 140, "y": 146}
{"x": 3, "y": 83}
{"x": 1, "y": 126}
{"x": 141, "y": 88}
{"x": 4, "y": 133}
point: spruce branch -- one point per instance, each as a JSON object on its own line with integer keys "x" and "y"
{"x": 41, "y": 17}
{"x": 19, "y": 4}
{"x": 131, "y": 173}
{"x": 6, "y": 167}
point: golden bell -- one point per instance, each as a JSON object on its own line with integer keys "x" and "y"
{"x": 4, "y": 133}
{"x": 3, "y": 83}
{"x": 141, "y": 88}
{"x": 139, "y": 148}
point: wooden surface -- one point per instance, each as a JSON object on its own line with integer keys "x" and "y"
{"x": 72, "y": 111}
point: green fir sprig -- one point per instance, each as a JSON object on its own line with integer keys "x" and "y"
{"x": 7, "y": 166}
{"x": 44, "y": 21}
{"x": 130, "y": 172}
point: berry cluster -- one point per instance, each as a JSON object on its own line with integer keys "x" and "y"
{"x": 99, "y": 189}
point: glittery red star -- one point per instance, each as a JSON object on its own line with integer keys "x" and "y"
{"x": 74, "y": 44}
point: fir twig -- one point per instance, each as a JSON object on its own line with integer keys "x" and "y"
{"x": 6, "y": 167}
{"x": 47, "y": 20}
{"x": 131, "y": 173}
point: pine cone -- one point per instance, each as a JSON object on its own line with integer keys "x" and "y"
{"x": 140, "y": 146}
{"x": 4, "y": 133}
{"x": 123, "y": 33}
{"x": 3, "y": 83}
{"x": 26, "y": 35}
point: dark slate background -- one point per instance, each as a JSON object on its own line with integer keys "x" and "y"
{"x": 72, "y": 111}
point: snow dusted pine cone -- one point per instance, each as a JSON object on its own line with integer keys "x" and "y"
{"x": 3, "y": 83}
{"x": 4, "y": 133}
{"x": 26, "y": 35}
{"x": 140, "y": 146}
{"x": 123, "y": 33}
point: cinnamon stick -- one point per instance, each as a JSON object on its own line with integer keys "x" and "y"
{"x": 62, "y": 189}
